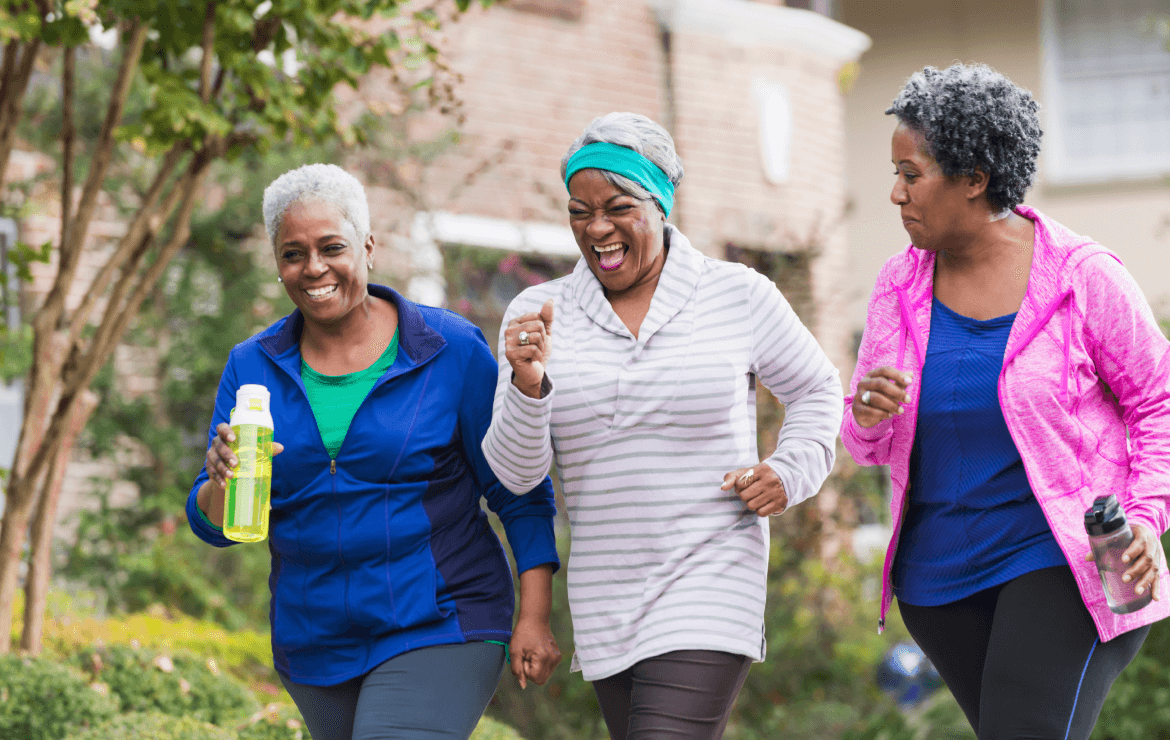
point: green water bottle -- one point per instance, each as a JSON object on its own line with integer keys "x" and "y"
{"x": 245, "y": 516}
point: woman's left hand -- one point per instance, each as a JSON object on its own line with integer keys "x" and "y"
{"x": 534, "y": 652}
{"x": 1145, "y": 554}
{"x": 759, "y": 487}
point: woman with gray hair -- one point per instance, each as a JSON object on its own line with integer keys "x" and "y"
{"x": 392, "y": 597}
{"x": 1010, "y": 373}
{"x": 644, "y": 395}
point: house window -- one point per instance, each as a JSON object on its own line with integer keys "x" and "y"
{"x": 481, "y": 282}
{"x": 1106, "y": 89}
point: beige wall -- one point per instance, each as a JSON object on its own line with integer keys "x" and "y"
{"x": 910, "y": 34}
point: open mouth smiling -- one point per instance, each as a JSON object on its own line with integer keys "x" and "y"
{"x": 321, "y": 293}
{"x": 611, "y": 256}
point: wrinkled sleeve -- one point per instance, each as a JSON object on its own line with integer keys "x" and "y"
{"x": 789, "y": 362}
{"x": 518, "y": 444}
{"x": 868, "y": 446}
{"x": 1132, "y": 356}
{"x": 527, "y": 520}
{"x": 225, "y": 398}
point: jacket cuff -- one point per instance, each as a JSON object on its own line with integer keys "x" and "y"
{"x": 533, "y": 542}
{"x": 202, "y": 527}
{"x": 869, "y": 434}
{"x": 532, "y": 406}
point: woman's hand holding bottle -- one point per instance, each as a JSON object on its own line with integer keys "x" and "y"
{"x": 221, "y": 463}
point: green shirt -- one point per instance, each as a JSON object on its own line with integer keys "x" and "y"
{"x": 335, "y": 398}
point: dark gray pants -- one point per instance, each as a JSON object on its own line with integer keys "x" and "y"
{"x": 681, "y": 695}
{"x": 433, "y": 693}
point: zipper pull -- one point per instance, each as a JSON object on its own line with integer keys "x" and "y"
{"x": 333, "y": 467}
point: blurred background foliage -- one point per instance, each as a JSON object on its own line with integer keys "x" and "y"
{"x": 136, "y": 577}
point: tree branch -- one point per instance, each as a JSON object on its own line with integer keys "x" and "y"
{"x": 67, "y": 133}
{"x": 208, "y": 52}
{"x": 148, "y": 219}
{"x": 7, "y": 74}
{"x": 52, "y": 312}
{"x": 118, "y": 316}
{"x": 13, "y": 101}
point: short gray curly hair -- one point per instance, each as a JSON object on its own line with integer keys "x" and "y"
{"x": 635, "y": 132}
{"x": 325, "y": 183}
{"x": 973, "y": 117}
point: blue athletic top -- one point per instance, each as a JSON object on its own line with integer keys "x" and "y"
{"x": 972, "y": 521}
{"x": 382, "y": 547}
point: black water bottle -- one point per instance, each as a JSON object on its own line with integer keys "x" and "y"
{"x": 1109, "y": 536}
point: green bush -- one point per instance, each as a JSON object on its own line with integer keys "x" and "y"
{"x": 180, "y": 685}
{"x": 275, "y": 722}
{"x": 155, "y": 726}
{"x": 41, "y": 700}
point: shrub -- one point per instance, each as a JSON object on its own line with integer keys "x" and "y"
{"x": 155, "y": 726}
{"x": 489, "y": 729}
{"x": 275, "y": 722}
{"x": 242, "y": 652}
{"x": 41, "y": 700}
{"x": 180, "y": 685}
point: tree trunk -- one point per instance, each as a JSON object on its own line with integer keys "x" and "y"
{"x": 61, "y": 396}
{"x": 40, "y": 567}
{"x": 20, "y": 493}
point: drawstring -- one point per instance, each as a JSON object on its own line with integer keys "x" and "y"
{"x": 910, "y": 328}
{"x": 1067, "y": 361}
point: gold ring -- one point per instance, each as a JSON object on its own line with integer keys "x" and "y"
{"x": 747, "y": 477}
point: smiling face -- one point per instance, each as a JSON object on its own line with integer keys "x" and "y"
{"x": 619, "y": 235}
{"x": 322, "y": 262}
{"x": 935, "y": 208}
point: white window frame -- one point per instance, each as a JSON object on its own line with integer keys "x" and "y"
{"x": 1058, "y": 167}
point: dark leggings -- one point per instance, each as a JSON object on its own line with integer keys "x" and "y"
{"x": 431, "y": 693}
{"x": 682, "y": 695}
{"x": 1023, "y": 659}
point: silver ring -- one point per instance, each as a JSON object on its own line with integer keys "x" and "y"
{"x": 522, "y": 338}
{"x": 865, "y": 398}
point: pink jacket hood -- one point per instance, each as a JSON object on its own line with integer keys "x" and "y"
{"x": 1085, "y": 365}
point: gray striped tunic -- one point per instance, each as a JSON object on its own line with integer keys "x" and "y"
{"x": 643, "y": 431}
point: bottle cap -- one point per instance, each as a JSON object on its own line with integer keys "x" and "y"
{"x": 252, "y": 406}
{"x": 1104, "y": 516}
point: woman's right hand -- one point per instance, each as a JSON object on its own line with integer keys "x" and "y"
{"x": 886, "y": 389}
{"x": 530, "y": 359}
{"x": 221, "y": 461}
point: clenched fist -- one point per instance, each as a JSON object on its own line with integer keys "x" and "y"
{"x": 528, "y": 347}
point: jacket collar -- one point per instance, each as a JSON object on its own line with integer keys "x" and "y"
{"x": 1055, "y": 253}
{"x": 416, "y": 338}
{"x": 677, "y": 283}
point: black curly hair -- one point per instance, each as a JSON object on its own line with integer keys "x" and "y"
{"x": 973, "y": 117}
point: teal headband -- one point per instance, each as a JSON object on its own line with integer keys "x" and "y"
{"x": 625, "y": 162}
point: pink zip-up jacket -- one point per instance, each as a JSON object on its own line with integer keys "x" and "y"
{"x": 1085, "y": 364}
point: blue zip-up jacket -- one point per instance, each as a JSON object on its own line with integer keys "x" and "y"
{"x": 385, "y": 549}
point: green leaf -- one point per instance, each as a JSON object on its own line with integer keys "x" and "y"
{"x": 22, "y": 256}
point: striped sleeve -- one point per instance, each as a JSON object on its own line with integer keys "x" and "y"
{"x": 518, "y": 445}
{"x": 790, "y": 363}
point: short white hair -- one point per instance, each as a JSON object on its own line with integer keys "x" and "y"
{"x": 635, "y": 132}
{"x": 324, "y": 183}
